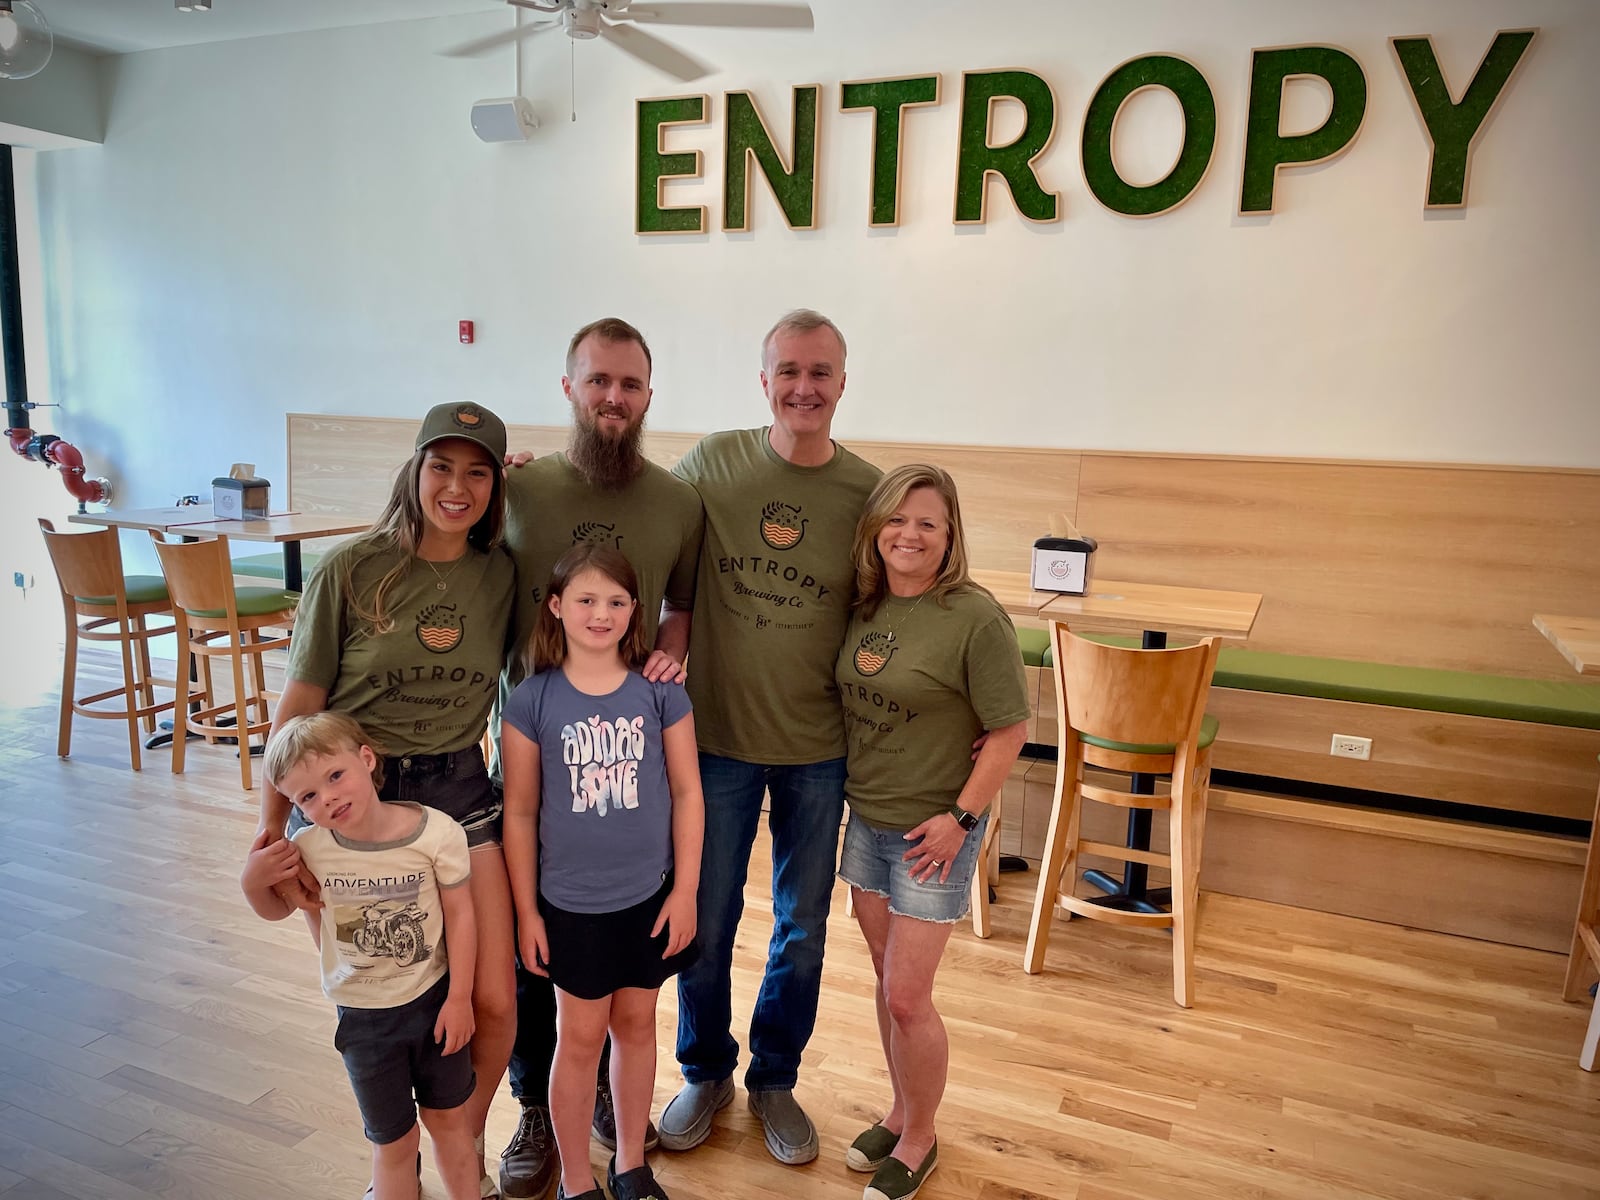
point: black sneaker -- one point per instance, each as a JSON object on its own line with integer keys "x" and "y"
{"x": 528, "y": 1163}
{"x": 637, "y": 1184}
{"x": 604, "y": 1126}
{"x": 593, "y": 1193}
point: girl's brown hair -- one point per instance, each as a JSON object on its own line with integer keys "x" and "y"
{"x": 871, "y": 582}
{"x": 547, "y": 647}
{"x": 399, "y": 528}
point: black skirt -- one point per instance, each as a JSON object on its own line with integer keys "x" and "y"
{"x": 595, "y": 954}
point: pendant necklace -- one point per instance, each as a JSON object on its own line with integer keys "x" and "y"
{"x": 901, "y": 622}
{"x": 442, "y": 585}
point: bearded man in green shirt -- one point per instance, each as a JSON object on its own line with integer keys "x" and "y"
{"x": 771, "y": 606}
{"x": 600, "y": 489}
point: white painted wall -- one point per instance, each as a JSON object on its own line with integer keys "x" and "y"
{"x": 297, "y": 223}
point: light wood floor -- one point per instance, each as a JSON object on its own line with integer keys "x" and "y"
{"x": 156, "y": 1039}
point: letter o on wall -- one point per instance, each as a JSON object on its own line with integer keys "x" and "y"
{"x": 1183, "y": 79}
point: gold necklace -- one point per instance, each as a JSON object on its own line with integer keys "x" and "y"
{"x": 442, "y": 585}
{"x": 900, "y": 624}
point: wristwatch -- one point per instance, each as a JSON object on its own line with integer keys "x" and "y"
{"x": 965, "y": 818}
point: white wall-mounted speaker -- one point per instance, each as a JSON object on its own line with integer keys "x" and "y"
{"x": 507, "y": 120}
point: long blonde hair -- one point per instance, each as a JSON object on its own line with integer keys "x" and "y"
{"x": 872, "y": 583}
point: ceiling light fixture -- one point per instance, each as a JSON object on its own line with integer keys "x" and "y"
{"x": 193, "y": 5}
{"x": 25, "y": 40}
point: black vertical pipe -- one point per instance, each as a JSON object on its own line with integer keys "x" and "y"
{"x": 11, "y": 300}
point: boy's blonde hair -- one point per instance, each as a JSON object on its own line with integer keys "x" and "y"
{"x": 319, "y": 733}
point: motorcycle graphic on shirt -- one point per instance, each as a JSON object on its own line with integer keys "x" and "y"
{"x": 387, "y": 929}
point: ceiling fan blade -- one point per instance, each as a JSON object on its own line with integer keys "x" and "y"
{"x": 490, "y": 41}
{"x": 731, "y": 16}
{"x": 648, "y": 48}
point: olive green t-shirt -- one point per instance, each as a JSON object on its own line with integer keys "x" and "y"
{"x": 920, "y": 682}
{"x": 426, "y": 686}
{"x": 774, "y": 596}
{"x": 656, "y": 521}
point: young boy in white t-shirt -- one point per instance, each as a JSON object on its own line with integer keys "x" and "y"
{"x": 393, "y": 886}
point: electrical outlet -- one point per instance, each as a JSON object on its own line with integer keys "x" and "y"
{"x": 1347, "y": 745}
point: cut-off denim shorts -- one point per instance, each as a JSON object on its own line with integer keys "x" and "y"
{"x": 873, "y": 860}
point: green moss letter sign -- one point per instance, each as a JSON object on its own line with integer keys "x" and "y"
{"x": 786, "y": 154}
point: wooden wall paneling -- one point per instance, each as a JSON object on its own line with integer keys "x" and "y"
{"x": 1425, "y": 565}
{"x": 1007, "y": 493}
{"x": 1518, "y": 899}
{"x": 1514, "y": 765}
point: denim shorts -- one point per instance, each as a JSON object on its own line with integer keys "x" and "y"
{"x": 456, "y": 784}
{"x": 390, "y": 1056}
{"x": 873, "y": 860}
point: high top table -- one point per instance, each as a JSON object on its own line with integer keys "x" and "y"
{"x": 1154, "y": 611}
{"x": 289, "y": 529}
{"x": 195, "y": 521}
{"x": 1578, "y": 640}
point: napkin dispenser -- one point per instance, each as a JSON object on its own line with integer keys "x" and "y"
{"x": 240, "y": 495}
{"x": 1063, "y": 564}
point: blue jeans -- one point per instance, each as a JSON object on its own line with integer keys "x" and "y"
{"x": 807, "y": 808}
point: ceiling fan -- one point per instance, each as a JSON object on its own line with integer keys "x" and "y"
{"x": 619, "y": 21}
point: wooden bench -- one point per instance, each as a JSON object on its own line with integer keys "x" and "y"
{"x": 1426, "y": 565}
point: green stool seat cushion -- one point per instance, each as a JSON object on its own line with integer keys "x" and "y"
{"x": 1542, "y": 701}
{"x": 141, "y": 589}
{"x": 1034, "y": 644}
{"x": 257, "y": 602}
{"x": 1208, "y": 734}
{"x": 270, "y": 566}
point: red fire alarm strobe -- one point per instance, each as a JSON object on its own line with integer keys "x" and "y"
{"x": 466, "y": 333}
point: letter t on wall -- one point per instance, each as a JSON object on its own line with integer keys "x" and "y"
{"x": 889, "y": 98}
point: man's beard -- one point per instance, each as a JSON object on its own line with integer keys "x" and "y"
{"x": 605, "y": 462}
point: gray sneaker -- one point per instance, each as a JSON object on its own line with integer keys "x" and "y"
{"x": 686, "y": 1121}
{"x": 791, "y": 1136}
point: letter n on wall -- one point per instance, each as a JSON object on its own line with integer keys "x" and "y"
{"x": 793, "y": 187}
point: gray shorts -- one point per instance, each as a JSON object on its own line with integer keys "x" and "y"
{"x": 394, "y": 1064}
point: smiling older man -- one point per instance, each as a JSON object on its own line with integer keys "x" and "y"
{"x": 771, "y": 606}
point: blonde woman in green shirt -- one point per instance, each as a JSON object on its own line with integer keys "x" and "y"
{"x": 929, "y": 665}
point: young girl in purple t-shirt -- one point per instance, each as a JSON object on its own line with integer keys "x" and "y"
{"x": 602, "y": 776}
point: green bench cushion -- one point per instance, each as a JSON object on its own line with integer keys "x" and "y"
{"x": 1035, "y": 646}
{"x": 1544, "y": 702}
{"x": 141, "y": 589}
{"x": 257, "y": 602}
{"x": 1469, "y": 693}
{"x": 270, "y": 566}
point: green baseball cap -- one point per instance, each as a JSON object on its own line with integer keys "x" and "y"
{"x": 464, "y": 420}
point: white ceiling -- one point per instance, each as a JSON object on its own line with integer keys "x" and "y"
{"x": 123, "y": 26}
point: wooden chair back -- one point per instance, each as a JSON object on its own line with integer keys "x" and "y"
{"x": 86, "y": 564}
{"x": 199, "y": 574}
{"x": 1147, "y": 697}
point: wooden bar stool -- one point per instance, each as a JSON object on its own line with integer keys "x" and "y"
{"x": 215, "y": 619}
{"x": 96, "y": 594}
{"x": 1584, "y": 958}
{"x": 1128, "y": 711}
